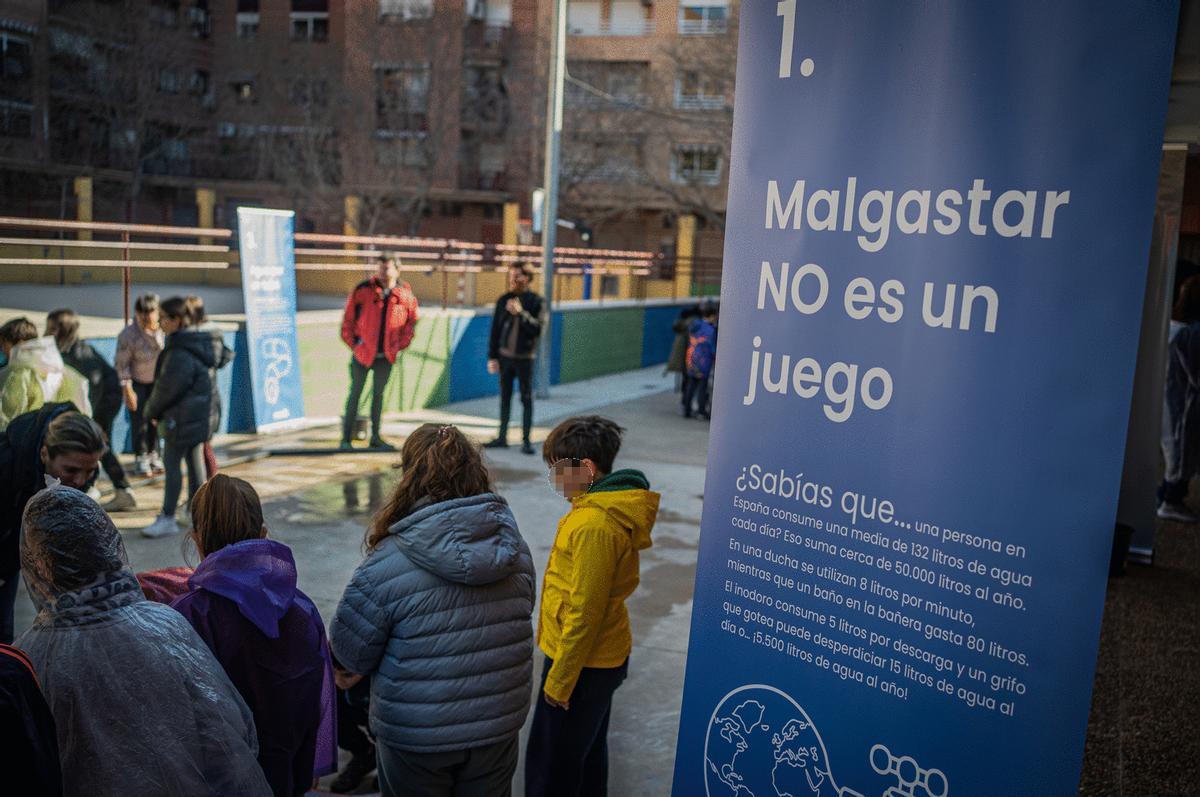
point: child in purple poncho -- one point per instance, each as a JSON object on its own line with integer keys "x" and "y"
{"x": 242, "y": 600}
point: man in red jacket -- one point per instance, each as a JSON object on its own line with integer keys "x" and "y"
{"x": 381, "y": 314}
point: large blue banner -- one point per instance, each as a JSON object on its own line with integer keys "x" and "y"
{"x": 269, "y": 289}
{"x": 938, "y": 229}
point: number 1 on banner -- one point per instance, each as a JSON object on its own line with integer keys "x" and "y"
{"x": 787, "y": 10}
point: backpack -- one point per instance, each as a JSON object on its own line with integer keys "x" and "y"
{"x": 700, "y": 350}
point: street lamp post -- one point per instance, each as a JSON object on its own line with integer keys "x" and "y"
{"x": 554, "y": 116}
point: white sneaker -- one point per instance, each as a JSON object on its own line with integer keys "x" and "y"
{"x": 1169, "y": 510}
{"x": 94, "y": 493}
{"x": 184, "y": 517}
{"x": 156, "y": 463}
{"x": 121, "y": 501}
{"x": 163, "y": 526}
{"x": 142, "y": 465}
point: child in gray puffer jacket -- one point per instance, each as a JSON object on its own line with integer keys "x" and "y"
{"x": 438, "y": 615}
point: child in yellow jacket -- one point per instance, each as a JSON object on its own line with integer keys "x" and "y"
{"x": 583, "y": 627}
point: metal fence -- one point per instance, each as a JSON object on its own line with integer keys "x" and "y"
{"x": 26, "y": 242}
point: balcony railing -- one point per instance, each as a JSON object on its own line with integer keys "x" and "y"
{"x": 610, "y": 28}
{"x": 700, "y": 102}
{"x": 702, "y": 27}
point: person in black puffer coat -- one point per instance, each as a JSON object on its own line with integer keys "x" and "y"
{"x": 104, "y": 394}
{"x": 185, "y": 403}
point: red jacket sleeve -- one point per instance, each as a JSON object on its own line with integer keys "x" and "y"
{"x": 349, "y": 320}
{"x": 410, "y": 325}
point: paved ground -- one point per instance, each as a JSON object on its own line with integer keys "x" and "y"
{"x": 1144, "y": 734}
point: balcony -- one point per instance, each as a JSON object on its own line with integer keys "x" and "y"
{"x": 699, "y": 102}
{"x": 702, "y": 27}
{"x": 643, "y": 27}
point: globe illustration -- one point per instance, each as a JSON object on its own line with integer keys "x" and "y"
{"x": 761, "y": 743}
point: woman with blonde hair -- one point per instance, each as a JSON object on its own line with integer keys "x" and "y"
{"x": 438, "y": 615}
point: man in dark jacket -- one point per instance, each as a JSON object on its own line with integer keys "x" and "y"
{"x": 186, "y": 404}
{"x": 56, "y": 441}
{"x": 512, "y": 347}
{"x": 379, "y": 322}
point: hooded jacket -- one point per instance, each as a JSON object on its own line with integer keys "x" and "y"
{"x": 593, "y": 568}
{"x": 35, "y": 375}
{"x": 22, "y": 474}
{"x": 438, "y": 615}
{"x": 365, "y": 314}
{"x": 185, "y": 398}
{"x": 103, "y": 385}
{"x": 268, "y": 636}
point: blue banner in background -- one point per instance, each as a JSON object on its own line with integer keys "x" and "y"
{"x": 268, "y": 262}
{"x": 938, "y": 229}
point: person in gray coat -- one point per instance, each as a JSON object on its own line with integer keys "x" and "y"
{"x": 438, "y": 616}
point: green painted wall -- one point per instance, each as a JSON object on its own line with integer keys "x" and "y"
{"x": 602, "y": 341}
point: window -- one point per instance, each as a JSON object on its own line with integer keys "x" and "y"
{"x": 164, "y": 13}
{"x": 309, "y": 92}
{"x": 197, "y": 17}
{"x": 697, "y": 91}
{"x": 243, "y": 91}
{"x": 401, "y": 97}
{"x": 405, "y": 10}
{"x": 605, "y": 158}
{"x": 169, "y": 81}
{"x": 199, "y": 83}
{"x": 16, "y": 59}
{"x": 400, "y": 152}
{"x": 16, "y": 119}
{"x": 583, "y": 17}
{"x": 700, "y": 165}
{"x": 702, "y": 17}
{"x": 310, "y": 20}
{"x": 247, "y": 25}
{"x": 628, "y": 18}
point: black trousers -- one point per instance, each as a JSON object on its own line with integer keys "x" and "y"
{"x": 352, "y": 710}
{"x": 143, "y": 430}
{"x": 476, "y": 772}
{"x": 381, "y": 371}
{"x": 521, "y": 370}
{"x": 8, "y": 605}
{"x": 695, "y": 390}
{"x": 567, "y": 754}
{"x": 173, "y": 459}
{"x": 104, "y": 415}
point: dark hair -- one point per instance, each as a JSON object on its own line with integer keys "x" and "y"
{"x": 225, "y": 510}
{"x": 177, "y": 307}
{"x": 74, "y": 432}
{"x": 63, "y": 324}
{"x": 17, "y": 331}
{"x": 709, "y": 311}
{"x": 525, "y": 268}
{"x": 1187, "y": 306}
{"x": 439, "y": 464}
{"x": 585, "y": 437}
{"x": 146, "y": 303}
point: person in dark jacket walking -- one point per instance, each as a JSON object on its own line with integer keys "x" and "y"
{"x": 379, "y": 322}
{"x": 185, "y": 403}
{"x": 266, "y": 633}
{"x": 55, "y": 441}
{"x": 701, "y": 353}
{"x": 1181, "y": 405}
{"x": 104, "y": 394}
{"x": 512, "y": 348}
{"x": 438, "y": 614}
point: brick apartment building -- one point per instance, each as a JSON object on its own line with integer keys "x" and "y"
{"x": 420, "y": 116}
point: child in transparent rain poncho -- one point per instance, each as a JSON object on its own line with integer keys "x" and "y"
{"x": 141, "y": 706}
